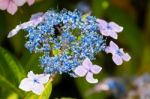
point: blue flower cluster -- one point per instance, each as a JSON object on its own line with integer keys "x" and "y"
{"x": 65, "y": 39}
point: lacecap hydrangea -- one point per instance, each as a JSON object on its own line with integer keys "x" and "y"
{"x": 68, "y": 42}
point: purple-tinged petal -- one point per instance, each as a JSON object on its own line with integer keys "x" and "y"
{"x": 19, "y": 2}
{"x": 126, "y": 57}
{"x": 19, "y": 27}
{"x": 26, "y": 84}
{"x": 31, "y": 75}
{"x": 43, "y": 78}
{"x": 33, "y": 23}
{"x": 30, "y": 2}
{"x": 113, "y": 45}
{"x": 12, "y": 8}
{"x": 37, "y": 88}
{"x": 4, "y": 4}
{"x": 102, "y": 23}
{"x": 87, "y": 63}
{"x": 80, "y": 71}
{"x": 105, "y": 32}
{"x": 117, "y": 59}
{"x": 36, "y": 15}
{"x": 113, "y": 35}
{"x": 115, "y": 27}
{"x": 108, "y": 50}
{"x": 14, "y": 31}
{"x": 112, "y": 48}
{"x": 90, "y": 79}
{"x": 24, "y": 25}
{"x": 95, "y": 69}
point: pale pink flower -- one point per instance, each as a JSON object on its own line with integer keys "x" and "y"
{"x": 12, "y": 5}
{"x": 30, "y": 2}
{"x": 88, "y": 69}
{"x": 118, "y": 54}
{"x": 109, "y": 28}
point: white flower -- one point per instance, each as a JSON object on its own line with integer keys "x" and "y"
{"x": 34, "y": 82}
{"x": 88, "y": 69}
{"x": 109, "y": 29}
{"x": 118, "y": 55}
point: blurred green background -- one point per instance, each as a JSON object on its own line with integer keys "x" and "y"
{"x": 16, "y": 61}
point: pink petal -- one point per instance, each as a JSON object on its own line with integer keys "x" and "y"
{"x": 12, "y": 8}
{"x": 19, "y": 2}
{"x": 30, "y": 2}
{"x": 117, "y": 59}
{"x": 4, "y": 4}
{"x": 96, "y": 69}
{"x": 80, "y": 71}
{"x": 115, "y": 27}
{"x": 90, "y": 79}
{"x": 87, "y": 63}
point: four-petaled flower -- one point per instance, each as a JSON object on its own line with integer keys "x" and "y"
{"x": 118, "y": 55}
{"x": 34, "y": 82}
{"x": 12, "y": 5}
{"x": 88, "y": 69}
{"x": 109, "y": 29}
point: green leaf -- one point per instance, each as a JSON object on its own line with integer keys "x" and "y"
{"x": 13, "y": 96}
{"x": 45, "y": 95}
{"x": 66, "y": 98}
{"x": 8, "y": 85}
{"x": 9, "y": 66}
{"x": 11, "y": 72}
{"x": 31, "y": 62}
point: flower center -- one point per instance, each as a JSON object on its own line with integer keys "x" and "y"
{"x": 118, "y": 52}
{"x": 35, "y": 81}
{"x": 109, "y": 27}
